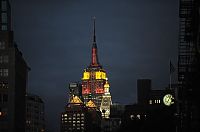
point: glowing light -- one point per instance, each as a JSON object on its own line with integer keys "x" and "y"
{"x": 86, "y": 75}
{"x": 91, "y": 104}
{"x": 100, "y": 75}
{"x": 76, "y": 100}
{"x": 86, "y": 91}
{"x": 168, "y": 99}
{"x": 99, "y": 90}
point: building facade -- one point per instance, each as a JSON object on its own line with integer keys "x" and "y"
{"x": 13, "y": 76}
{"x": 35, "y": 121}
{"x": 94, "y": 79}
{"x": 80, "y": 117}
{"x": 75, "y": 89}
{"x": 189, "y": 66}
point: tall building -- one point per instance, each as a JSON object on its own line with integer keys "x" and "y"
{"x": 189, "y": 66}
{"x": 143, "y": 89}
{"x": 35, "y": 121}
{"x": 94, "y": 79}
{"x": 13, "y": 76}
{"x": 106, "y": 101}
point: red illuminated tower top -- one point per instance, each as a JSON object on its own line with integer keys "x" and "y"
{"x": 95, "y": 61}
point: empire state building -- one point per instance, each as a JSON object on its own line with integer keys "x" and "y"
{"x": 95, "y": 86}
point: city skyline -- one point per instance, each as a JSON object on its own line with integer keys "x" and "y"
{"x": 57, "y": 51}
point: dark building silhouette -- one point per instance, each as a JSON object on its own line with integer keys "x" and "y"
{"x": 143, "y": 89}
{"x": 189, "y": 66}
{"x": 13, "y": 76}
{"x": 79, "y": 117}
{"x": 35, "y": 121}
{"x": 116, "y": 113}
{"x": 154, "y": 112}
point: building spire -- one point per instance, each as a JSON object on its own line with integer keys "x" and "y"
{"x": 95, "y": 61}
{"x": 94, "y": 33}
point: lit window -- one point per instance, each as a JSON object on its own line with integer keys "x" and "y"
{"x": 150, "y": 101}
{"x": 65, "y": 115}
{"x": 159, "y": 101}
{"x": 3, "y": 5}
{"x": 138, "y": 116}
{"x": 132, "y": 117}
{"x": 4, "y": 17}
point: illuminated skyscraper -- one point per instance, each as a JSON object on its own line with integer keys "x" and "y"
{"x": 94, "y": 78}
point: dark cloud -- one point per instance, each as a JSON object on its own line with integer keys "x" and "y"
{"x": 135, "y": 40}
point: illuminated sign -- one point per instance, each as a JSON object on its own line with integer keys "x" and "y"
{"x": 86, "y": 76}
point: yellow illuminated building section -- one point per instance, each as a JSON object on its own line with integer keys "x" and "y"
{"x": 76, "y": 100}
{"x": 91, "y": 104}
{"x": 100, "y": 75}
{"x": 86, "y": 75}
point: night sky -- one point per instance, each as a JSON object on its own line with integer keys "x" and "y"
{"x": 135, "y": 39}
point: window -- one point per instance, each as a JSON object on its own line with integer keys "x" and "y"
{"x": 4, "y": 28}
{"x": 4, "y": 17}
{"x": 2, "y": 45}
{"x": 3, "y": 5}
{"x": 1, "y": 59}
{"x": 5, "y": 98}
{"x": 150, "y": 101}
{"x": 3, "y": 85}
{"x": 138, "y": 116}
{"x": 4, "y": 59}
{"x": 4, "y": 72}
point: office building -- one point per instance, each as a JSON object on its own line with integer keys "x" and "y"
{"x": 189, "y": 66}
{"x": 35, "y": 121}
{"x": 94, "y": 78}
{"x": 75, "y": 89}
{"x": 13, "y": 76}
{"x": 80, "y": 117}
